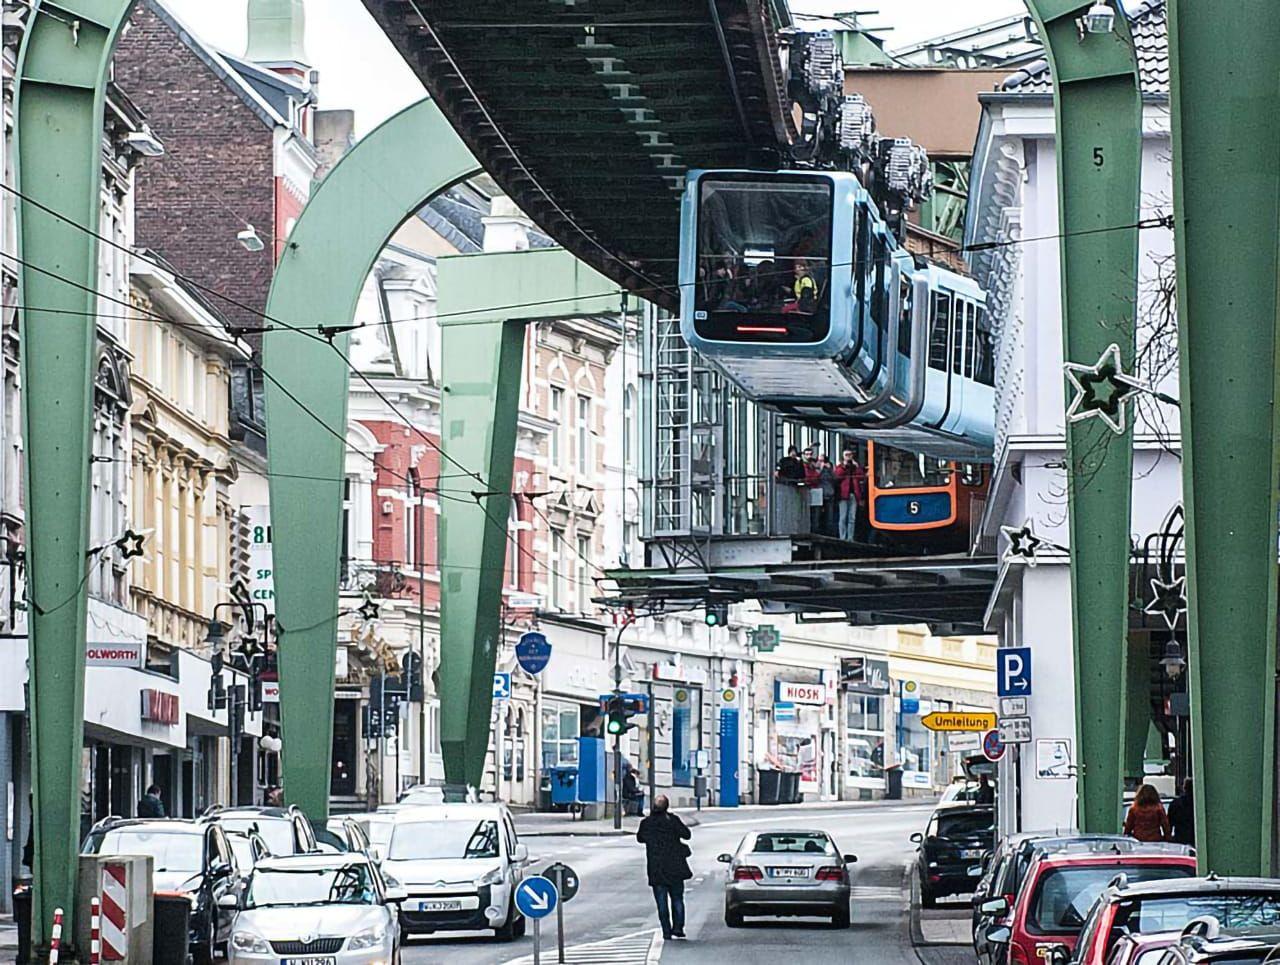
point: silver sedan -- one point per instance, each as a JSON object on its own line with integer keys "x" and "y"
{"x": 787, "y": 873}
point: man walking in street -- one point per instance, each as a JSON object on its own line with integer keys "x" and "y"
{"x": 663, "y": 836}
{"x": 1182, "y": 815}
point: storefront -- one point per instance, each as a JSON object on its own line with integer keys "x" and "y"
{"x": 865, "y": 687}
{"x": 795, "y": 729}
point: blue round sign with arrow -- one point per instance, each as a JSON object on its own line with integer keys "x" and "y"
{"x": 536, "y": 897}
{"x": 533, "y": 650}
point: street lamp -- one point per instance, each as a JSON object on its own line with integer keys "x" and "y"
{"x": 1101, "y": 18}
{"x": 1173, "y": 661}
{"x": 249, "y": 239}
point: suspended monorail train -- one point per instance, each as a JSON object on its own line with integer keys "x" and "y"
{"x": 794, "y": 286}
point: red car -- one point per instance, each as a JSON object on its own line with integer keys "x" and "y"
{"x": 1061, "y": 886}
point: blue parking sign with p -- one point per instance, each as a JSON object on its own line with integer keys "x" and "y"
{"x": 502, "y": 686}
{"x": 1013, "y": 671}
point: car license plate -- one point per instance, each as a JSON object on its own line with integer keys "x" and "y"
{"x": 313, "y": 960}
{"x": 971, "y": 853}
{"x": 441, "y": 904}
{"x": 788, "y": 872}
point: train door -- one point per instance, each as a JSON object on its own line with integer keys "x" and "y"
{"x": 937, "y": 380}
{"x": 961, "y": 331}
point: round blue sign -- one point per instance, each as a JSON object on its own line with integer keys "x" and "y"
{"x": 533, "y": 651}
{"x": 536, "y": 897}
{"x": 992, "y": 746}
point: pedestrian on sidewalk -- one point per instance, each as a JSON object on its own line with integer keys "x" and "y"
{"x": 1146, "y": 819}
{"x": 1182, "y": 815}
{"x": 150, "y": 805}
{"x": 663, "y": 835}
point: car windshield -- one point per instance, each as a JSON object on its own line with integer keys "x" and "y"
{"x": 277, "y": 832}
{"x": 793, "y": 843}
{"x": 1171, "y": 913}
{"x": 1063, "y": 896}
{"x": 349, "y": 885}
{"x": 172, "y": 850}
{"x": 964, "y": 825}
{"x": 242, "y": 847}
{"x": 378, "y": 829}
{"x": 429, "y": 840}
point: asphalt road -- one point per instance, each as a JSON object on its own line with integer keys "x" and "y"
{"x": 614, "y": 910}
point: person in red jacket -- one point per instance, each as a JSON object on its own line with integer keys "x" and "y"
{"x": 1147, "y": 820}
{"x": 851, "y": 491}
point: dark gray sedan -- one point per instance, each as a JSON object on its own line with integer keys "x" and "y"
{"x": 787, "y": 873}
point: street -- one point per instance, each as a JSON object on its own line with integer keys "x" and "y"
{"x": 615, "y": 909}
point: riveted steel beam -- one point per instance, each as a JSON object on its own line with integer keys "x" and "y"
{"x": 351, "y": 216}
{"x": 1225, "y": 59}
{"x": 1098, "y": 106}
{"x": 61, "y": 81}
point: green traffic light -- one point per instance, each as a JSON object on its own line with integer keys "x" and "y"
{"x": 615, "y": 725}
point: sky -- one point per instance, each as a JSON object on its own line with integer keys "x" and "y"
{"x": 359, "y": 68}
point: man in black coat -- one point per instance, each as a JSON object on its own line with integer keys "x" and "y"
{"x": 150, "y": 805}
{"x": 663, "y": 836}
{"x": 1182, "y": 815}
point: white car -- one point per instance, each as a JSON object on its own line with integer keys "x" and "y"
{"x": 318, "y": 909}
{"x": 460, "y": 865}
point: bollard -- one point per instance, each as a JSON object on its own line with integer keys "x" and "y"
{"x": 55, "y": 937}
{"x": 95, "y": 945}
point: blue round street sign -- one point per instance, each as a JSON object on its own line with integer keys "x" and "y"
{"x": 533, "y": 651}
{"x": 536, "y": 897}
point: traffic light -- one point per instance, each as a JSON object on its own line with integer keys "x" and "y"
{"x": 717, "y": 614}
{"x": 619, "y": 710}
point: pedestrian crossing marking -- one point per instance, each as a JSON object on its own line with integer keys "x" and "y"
{"x": 638, "y": 948}
{"x": 877, "y": 893}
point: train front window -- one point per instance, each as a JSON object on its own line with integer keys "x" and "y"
{"x": 896, "y": 469}
{"x": 764, "y": 260}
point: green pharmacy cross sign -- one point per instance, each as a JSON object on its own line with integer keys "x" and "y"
{"x": 766, "y": 638}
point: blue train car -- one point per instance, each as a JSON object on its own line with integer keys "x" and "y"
{"x": 794, "y": 286}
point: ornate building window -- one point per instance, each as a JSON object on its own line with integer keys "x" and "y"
{"x": 109, "y": 506}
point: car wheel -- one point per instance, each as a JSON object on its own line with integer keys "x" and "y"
{"x": 507, "y": 932}
{"x": 927, "y": 898}
{"x": 840, "y": 916}
{"x": 732, "y": 916}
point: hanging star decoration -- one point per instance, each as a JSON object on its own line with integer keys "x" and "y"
{"x": 1169, "y": 600}
{"x": 1024, "y": 544}
{"x": 1102, "y": 390}
{"x": 130, "y": 544}
{"x": 368, "y": 610}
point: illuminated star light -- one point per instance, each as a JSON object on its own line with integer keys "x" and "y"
{"x": 1169, "y": 600}
{"x": 130, "y": 544}
{"x": 1023, "y": 544}
{"x": 1117, "y": 388}
{"x": 368, "y": 610}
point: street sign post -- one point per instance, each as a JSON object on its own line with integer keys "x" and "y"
{"x": 1013, "y": 672}
{"x": 953, "y": 720}
{"x": 566, "y": 881}
{"x": 1013, "y": 707}
{"x": 1015, "y": 730}
{"x": 964, "y": 741}
{"x": 533, "y": 651}
{"x": 536, "y": 898}
{"x": 992, "y": 746}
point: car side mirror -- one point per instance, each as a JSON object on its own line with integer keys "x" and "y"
{"x": 395, "y": 895}
{"x": 917, "y": 838}
{"x": 996, "y": 906}
{"x": 228, "y": 901}
{"x": 220, "y": 869}
{"x": 850, "y": 859}
{"x": 1000, "y": 935}
{"x": 521, "y": 854}
{"x": 724, "y": 858}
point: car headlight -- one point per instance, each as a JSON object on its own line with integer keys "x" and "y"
{"x": 247, "y": 941}
{"x": 493, "y": 877}
{"x": 370, "y": 938}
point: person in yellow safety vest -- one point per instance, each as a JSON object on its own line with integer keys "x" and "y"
{"x": 805, "y": 288}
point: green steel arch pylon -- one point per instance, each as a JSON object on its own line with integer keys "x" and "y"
{"x": 352, "y": 214}
{"x": 1098, "y": 107}
{"x": 61, "y": 82}
{"x": 1225, "y": 60}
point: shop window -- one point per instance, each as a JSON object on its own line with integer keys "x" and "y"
{"x": 865, "y": 736}
{"x": 561, "y": 728}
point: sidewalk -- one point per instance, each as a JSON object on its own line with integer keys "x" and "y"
{"x": 543, "y": 824}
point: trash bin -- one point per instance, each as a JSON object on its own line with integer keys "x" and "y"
{"x": 172, "y": 928}
{"x": 22, "y": 918}
{"x": 564, "y": 786}
{"x": 544, "y": 790}
{"x": 790, "y": 793}
{"x": 769, "y": 786}
{"x": 893, "y": 783}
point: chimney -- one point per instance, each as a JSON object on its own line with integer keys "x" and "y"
{"x": 277, "y": 31}
{"x": 506, "y": 227}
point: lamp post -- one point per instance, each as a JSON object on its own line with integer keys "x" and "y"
{"x": 628, "y": 618}
{"x": 246, "y": 657}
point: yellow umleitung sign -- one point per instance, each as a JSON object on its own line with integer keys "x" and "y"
{"x": 959, "y": 720}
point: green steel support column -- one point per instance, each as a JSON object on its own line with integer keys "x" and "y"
{"x": 1099, "y": 147}
{"x": 1226, "y": 154}
{"x": 483, "y": 351}
{"x": 60, "y": 88}
{"x": 352, "y": 214}
{"x": 1137, "y": 705}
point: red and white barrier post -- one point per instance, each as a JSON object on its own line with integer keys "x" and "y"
{"x": 55, "y": 937}
{"x": 95, "y": 945}
{"x": 114, "y": 920}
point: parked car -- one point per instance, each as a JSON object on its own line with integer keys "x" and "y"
{"x": 787, "y": 873}
{"x": 285, "y": 829}
{"x": 1170, "y": 905}
{"x": 422, "y": 794}
{"x": 1142, "y": 949}
{"x": 333, "y": 909}
{"x": 460, "y": 864}
{"x": 249, "y": 848}
{"x": 949, "y": 861}
{"x": 377, "y": 827}
{"x": 1204, "y": 941}
{"x": 1061, "y": 886}
{"x": 342, "y": 834}
{"x": 190, "y": 858}
{"x": 960, "y": 792}
{"x": 1006, "y": 873}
